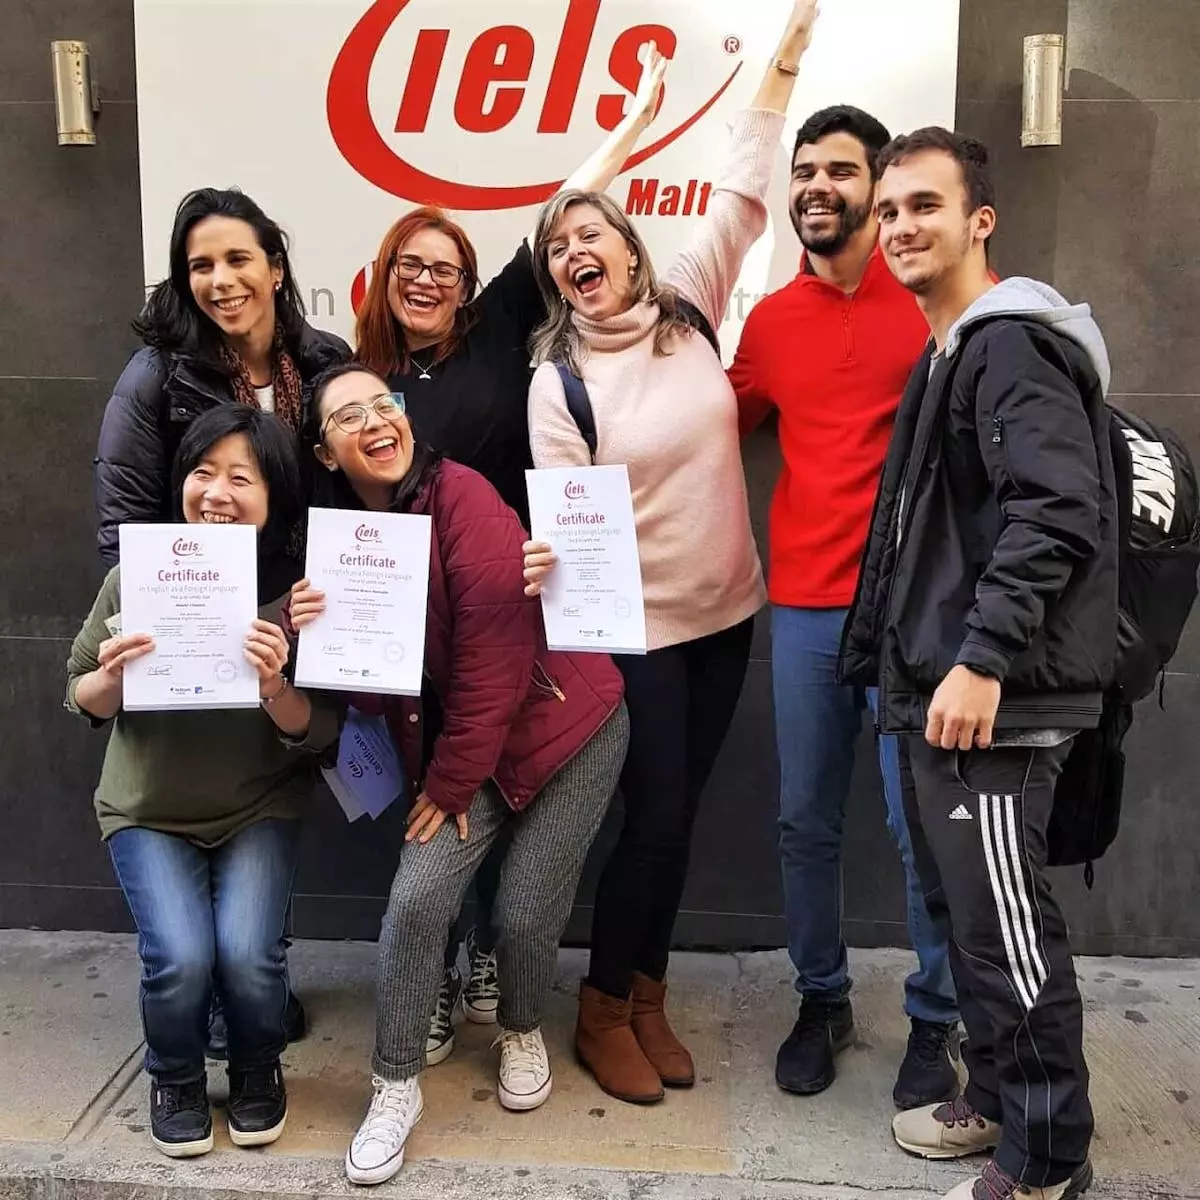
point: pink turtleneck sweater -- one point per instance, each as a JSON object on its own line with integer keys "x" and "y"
{"x": 673, "y": 419}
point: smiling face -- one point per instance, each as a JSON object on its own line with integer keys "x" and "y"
{"x": 374, "y": 449}
{"x": 232, "y": 280}
{"x": 424, "y": 307}
{"x": 927, "y": 231}
{"x": 831, "y": 193}
{"x": 226, "y": 487}
{"x": 591, "y": 263}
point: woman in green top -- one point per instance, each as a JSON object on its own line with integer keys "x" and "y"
{"x": 199, "y": 808}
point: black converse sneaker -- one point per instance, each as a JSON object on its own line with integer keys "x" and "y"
{"x": 481, "y": 999}
{"x": 257, "y": 1109}
{"x": 440, "y": 1043}
{"x": 180, "y": 1120}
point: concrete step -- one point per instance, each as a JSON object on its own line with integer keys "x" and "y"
{"x": 73, "y": 1099}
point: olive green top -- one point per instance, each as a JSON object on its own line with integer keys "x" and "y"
{"x": 205, "y": 774}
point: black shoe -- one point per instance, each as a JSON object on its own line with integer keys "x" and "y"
{"x": 295, "y": 1023}
{"x": 295, "y": 1026}
{"x": 927, "y": 1074}
{"x": 180, "y": 1120}
{"x": 257, "y": 1108}
{"x": 804, "y": 1064}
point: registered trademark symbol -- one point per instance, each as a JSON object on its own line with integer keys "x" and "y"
{"x": 733, "y": 44}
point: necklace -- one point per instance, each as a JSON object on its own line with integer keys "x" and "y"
{"x": 423, "y": 369}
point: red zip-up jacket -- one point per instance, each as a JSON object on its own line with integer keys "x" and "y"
{"x": 512, "y": 710}
{"x": 835, "y": 367}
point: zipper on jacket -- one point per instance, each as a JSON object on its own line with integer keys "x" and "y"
{"x": 997, "y": 431}
{"x": 847, "y": 340}
{"x": 543, "y": 680}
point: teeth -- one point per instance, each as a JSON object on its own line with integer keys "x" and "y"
{"x": 380, "y": 444}
{"x": 212, "y": 518}
{"x": 587, "y": 273}
{"x": 231, "y": 305}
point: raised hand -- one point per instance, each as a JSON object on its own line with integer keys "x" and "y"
{"x": 266, "y": 650}
{"x": 116, "y": 652}
{"x": 650, "y": 87}
{"x": 540, "y": 560}
{"x": 307, "y": 604}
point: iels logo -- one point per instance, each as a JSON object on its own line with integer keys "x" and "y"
{"x": 491, "y": 93}
{"x": 185, "y": 548}
{"x": 575, "y": 491}
{"x": 366, "y": 533}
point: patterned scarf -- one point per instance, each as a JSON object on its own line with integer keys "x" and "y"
{"x": 285, "y": 379}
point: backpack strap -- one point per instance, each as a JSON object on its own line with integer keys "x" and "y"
{"x": 698, "y": 321}
{"x": 579, "y": 405}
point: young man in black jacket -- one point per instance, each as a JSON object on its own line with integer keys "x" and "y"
{"x": 987, "y": 615}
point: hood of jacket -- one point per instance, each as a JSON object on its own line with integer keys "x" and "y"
{"x": 1036, "y": 301}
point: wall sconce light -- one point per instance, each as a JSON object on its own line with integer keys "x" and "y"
{"x": 76, "y": 101}
{"x": 1042, "y": 90}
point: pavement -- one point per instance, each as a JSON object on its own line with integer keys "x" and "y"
{"x": 73, "y": 1098}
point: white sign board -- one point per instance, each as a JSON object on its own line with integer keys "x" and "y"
{"x": 338, "y": 116}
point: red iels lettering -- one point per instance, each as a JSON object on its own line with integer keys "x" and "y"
{"x": 500, "y": 55}
{"x": 505, "y": 54}
{"x": 626, "y": 69}
{"x": 573, "y": 45}
{"x": 423, "y": 73}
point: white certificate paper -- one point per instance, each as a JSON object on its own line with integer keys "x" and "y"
{"x": 593, "y": 599}
{"x": 374, "y": 571}
{"x": 194, "y": 589}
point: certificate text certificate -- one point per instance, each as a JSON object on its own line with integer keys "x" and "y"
{"x": 374, "y": 571}
{"x": 592, "y": 600}
{"x": 194, "y": 590}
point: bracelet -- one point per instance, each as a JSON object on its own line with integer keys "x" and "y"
{"x": 283, "y": 687}
{"x": 786, "y": 67}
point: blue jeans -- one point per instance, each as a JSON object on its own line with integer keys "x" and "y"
{"x": 817, "y": 723}
{"x": 209, "y": 918}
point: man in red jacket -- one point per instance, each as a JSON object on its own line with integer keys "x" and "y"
{"x": 831, "y": 352}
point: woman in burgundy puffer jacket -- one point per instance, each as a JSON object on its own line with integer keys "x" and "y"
{"x": 525, "y": 735}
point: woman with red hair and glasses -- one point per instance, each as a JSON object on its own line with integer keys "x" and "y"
{"x": 460, "y": 356}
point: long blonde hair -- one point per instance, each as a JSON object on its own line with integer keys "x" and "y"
{"x": 556, "y": 339}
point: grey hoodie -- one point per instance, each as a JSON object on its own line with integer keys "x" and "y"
{"x": 1018, "y": 296}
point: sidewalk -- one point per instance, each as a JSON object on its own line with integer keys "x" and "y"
{"x": 73, "y": 1098}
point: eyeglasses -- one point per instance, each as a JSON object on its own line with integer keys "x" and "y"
{"x": 351, "y": 418}
{"x": 444, "y": 274}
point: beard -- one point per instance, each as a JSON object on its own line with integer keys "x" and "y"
{"x": 850, "y": 219}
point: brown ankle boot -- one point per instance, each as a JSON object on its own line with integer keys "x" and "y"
{"x": 605, "y": 1044}
{"x": 667, "y": 1054}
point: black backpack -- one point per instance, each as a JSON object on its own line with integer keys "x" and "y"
{"x": 579, "y": 405}
{"x": 1158, "y": 505}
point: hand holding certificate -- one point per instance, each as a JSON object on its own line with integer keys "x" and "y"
{"x": 368, "y": 634}
{"x": 592, "y": 600}
{"x": 192, "y": 589}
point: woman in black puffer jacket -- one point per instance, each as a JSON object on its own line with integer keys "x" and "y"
{"x": 226, "y": 326}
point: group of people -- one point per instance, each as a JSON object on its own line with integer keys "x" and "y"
{"x": 942, "y": 550}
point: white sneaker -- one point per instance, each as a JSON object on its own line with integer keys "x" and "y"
{"x": 440, "y": 1043}
{"x": 525, "y": 1077}
{"x": 377, "y": 1152}
{"x": 481, "y": 996}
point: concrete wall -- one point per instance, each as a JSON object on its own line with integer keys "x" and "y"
{"x": 1111, "y": 217}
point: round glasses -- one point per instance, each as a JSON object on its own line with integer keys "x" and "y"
{"x": 351, "y": 418}
{"x": 444, "y": 274}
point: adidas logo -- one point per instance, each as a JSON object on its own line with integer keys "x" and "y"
{"x": 961, "y": 814}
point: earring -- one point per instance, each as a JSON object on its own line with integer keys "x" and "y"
{"x": 277, "y": 285}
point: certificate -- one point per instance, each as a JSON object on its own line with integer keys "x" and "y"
{"x": 194, "y": 590}
{"x": 374, "y": 571}
{"x": 592, "y": 600}
{"x": 369, "y": 776}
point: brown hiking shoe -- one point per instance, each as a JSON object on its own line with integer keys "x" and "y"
{"x": 952, "y": 1130}
{"x": 605, "y": 1045}
{"x": 995, "y": 1184}
{"x": 667, "y": 1054}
